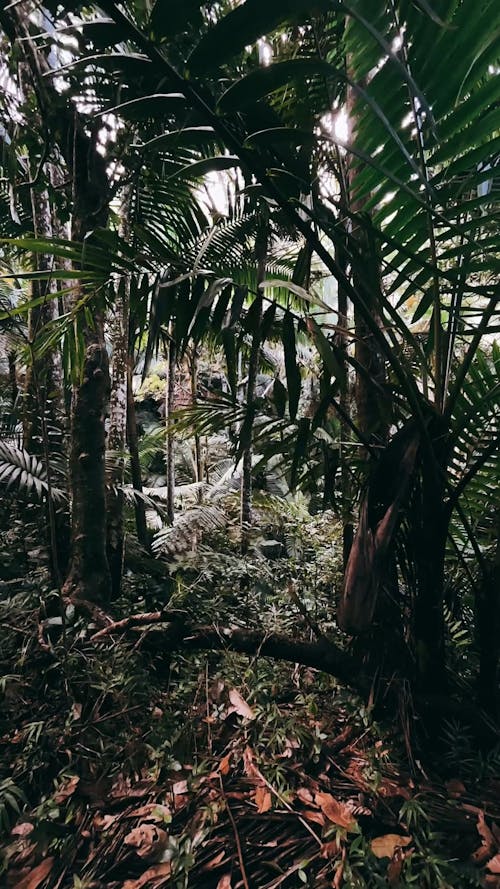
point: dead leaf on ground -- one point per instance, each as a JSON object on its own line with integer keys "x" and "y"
{"x": 179, "y": 788}
{"x": 224, "y": 882}
{"x": 385, "y": 846}
{"x": 395, "y": 866}
{"x": 340, "y": 813}
{"x": 102, "y": 822}
{"x": 488, "y": 845}
{"x": 263, "y": 800}
{"x": 214, "y": 862}
{"x": 151, "y": 811}
{"x": 314, "y": 816}
{"x": 225, "y": 764}
{"x": 22, "y": 830}
{"x": 67, "y": 789}
{"x": 152, "y": 873}
{"x": 148, "y": 840}
{"x": 494, "y": 865}
{"x": 240, "y": 706}
{"x": 305, "y": 796}
{"x": 37, "y": 875}
{"x": 250, "y": 770}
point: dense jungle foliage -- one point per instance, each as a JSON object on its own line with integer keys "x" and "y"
{"x": 249, "y": 444}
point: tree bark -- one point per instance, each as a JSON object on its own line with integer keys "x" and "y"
{"x": 117, "y": 431}
{"x": 135, "y": 463}
{"x": 88, "y": 576}
{"x": 253, "y": 366}
{"x": 169, "y": 407}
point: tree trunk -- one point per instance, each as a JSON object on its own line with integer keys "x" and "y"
{"x": 117, "y": 432}
{"x": 89, "y": 572}
{"x": 253, "y": 366}
{"x": 135, "y": 463}
{"x": 488, "y": 631}
{"x": 429, "y": 522}
{"x": 89, "y": 575}
{"x": 169, "y": 408}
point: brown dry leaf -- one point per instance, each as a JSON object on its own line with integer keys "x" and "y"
{"x": 385, "y": 846}
{"x": 395, "y": 866}
{"x": 305, "y": 796}
{"x": 339, "y": 813}
{"x": 179, "y": 787}
{"x": 315, "y": 816}
{"x": 37, "y": 875}
{"x": 388, "y": 788}
{"x": 455, "y": 788}
{"x": 263, "y": 800}
{"x": 148, "y": 840}
{"x": 225, "y": 764}
{"x": 339, "y": 873}
{"x": 329, "y": 850}
{"x": 494, "y": 864}
{"x": 102, "y": 822}
{"x": 159, "y": 870}
{"x": 22, "y": 830}
{"x": 488, "y": 846}
{"x": 248, "y": 766}
{"x": 67, "y": 789}
{"x": 240, "y": 706}
{"x": 224, "y": 882}
{"x": 151, "y": 811}
{"x": 214, "y": 862}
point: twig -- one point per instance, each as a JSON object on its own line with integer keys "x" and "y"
{"x": 126, "y": 622}
{"x": 236, "y": 836}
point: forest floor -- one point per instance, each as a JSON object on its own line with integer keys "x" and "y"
{"x": 219, "y": 771}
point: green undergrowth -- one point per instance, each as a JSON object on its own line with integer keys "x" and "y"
{"x": 91, "y": 734}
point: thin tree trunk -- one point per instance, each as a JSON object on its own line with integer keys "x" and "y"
{"x": 89, "y": 575}
{"x": 135, "y": 463}
{"x": 169, "y": 407}
{"x": 198, "y": 461}
{"x": 261, "y": 243}
{"x": 488, "y": 631}
{"x": 429, "y": 524}
{"x": 14, "y": 388}
{"x": 117, "y": 432}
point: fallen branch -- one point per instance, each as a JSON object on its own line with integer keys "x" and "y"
{"x": 171, "y": 631}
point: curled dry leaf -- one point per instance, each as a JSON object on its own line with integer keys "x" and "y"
{"x": 338, "y": 812}
{"x": 37, "y": 875}
{"x": 66, "y": 790}
{"x": 240, "y": 706}
{"x": 263, "y": 800}
{"x": 152, "y": 873}
{"x": 148, "y": 840}
{"x": 385, "y": 846}
{"x": 224, "y": 882}
{"x": 488, "y": 845}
